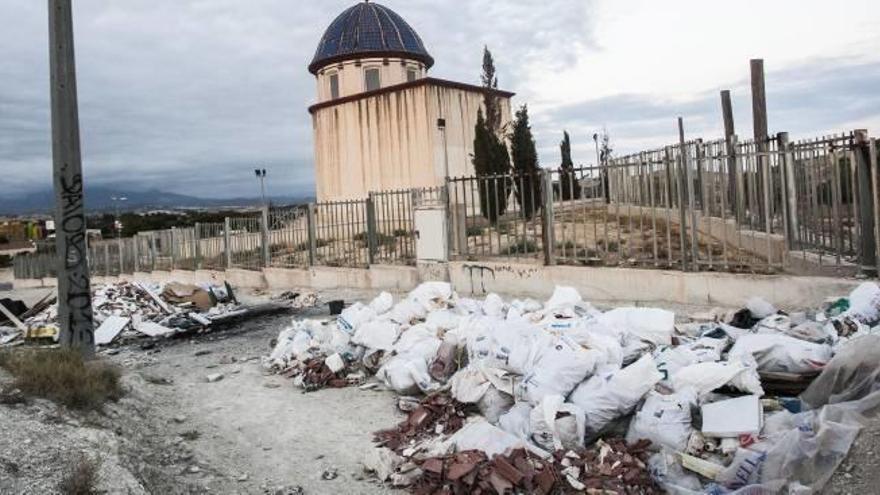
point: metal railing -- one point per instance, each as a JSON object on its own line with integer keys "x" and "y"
{"x": 806, "y": 207}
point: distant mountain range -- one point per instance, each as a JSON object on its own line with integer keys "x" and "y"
{"x": 98, "y": 198}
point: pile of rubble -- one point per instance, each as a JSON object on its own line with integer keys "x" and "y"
{"x": 622, "y": 401}
{"x": 125, "y": 311}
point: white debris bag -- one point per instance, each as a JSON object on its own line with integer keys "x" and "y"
{"x": 864, "y": 303}
{"x": 406, "y": 375}
{"x": 469, "y": 385}
{"x": 557, "y": 425}
{"x": 507, "y": 345}
{"x": 480, "y": 435}
{"x": 706, "y": 377}
{"x": 517, "y": 421}
{"x": 759, "y": 308}
{"x": 651, "y": 325}
{"x": 443, "y": 319}
{"x": 354, "y": 316}
{"x": 418, "y": 341}
{"x": 494, "y": 404}
{"x": 559, "y": 368}
{"x": 780, "y": 353}
{"x": 493, "y": 306}
{"x": 377, "y": 335}
{"x": 665, "y": 420}
{"x": 606, "y": 397}
{"x": 382, "y": 303}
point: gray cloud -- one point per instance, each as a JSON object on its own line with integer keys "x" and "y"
{"x": 189, "y": 96}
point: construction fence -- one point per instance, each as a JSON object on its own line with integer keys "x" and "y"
{"x": 776, "y": 206}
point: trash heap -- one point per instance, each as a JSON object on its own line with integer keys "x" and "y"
{"x": 621, "y": 401}
{"x": 125, "y": 311}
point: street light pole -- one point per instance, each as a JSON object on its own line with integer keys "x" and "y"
{"x": 117, "y": 222}
{"x": 74, "y": 288}
{"x": 261, "y": 174}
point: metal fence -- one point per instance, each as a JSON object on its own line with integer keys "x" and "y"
{"x": 805, "y": 207}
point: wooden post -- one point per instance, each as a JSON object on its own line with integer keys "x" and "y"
{"x": 863, "y": 154}
{"x": 759, "y": 117}
{"x": 197, "y": 249}
{"x": 688, "y": 189}
{"x": 74, "y": 287}
{"x": 729, "y": 133}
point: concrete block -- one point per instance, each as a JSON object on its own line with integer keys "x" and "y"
{"x": 393, "y": 278}
{"x": 286, "y": 278}
{"x": 246, "y": 279}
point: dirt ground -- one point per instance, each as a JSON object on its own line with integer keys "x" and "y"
{"x": 175, "y": 433}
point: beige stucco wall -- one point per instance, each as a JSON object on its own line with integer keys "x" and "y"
{"x": 391, "y": 140}
{"x": 392, "y": 71}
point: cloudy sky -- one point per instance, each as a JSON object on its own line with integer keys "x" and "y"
{"x": 189, "y": 95}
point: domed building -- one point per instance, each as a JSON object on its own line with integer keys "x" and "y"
{"x": 380, "y": 121}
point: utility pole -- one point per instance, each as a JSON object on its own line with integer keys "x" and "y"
{"x": 729, "y": 133}
{"x": 762, "y": 136}
{"x": 74, "y": 288}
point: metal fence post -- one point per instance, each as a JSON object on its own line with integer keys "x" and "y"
{"x": 792, "y": 229}
{"x": 136, "y": 266}
{"x": 152, "y": 251}
{"x": 173, "y": 248}
{"x": 866, "y": 203}
{"x": 313, "y": 245}
{"x": 106, "y": 259}
{"x": 120, "y": 246}
{"x": 197, "y": 245}
{"x": 547, "y": 227}
{"x": 683, "y": 190}
{"x": 227, "y": 242}
{"x": 372, "y": 244}
{"x": 264, "y": 235}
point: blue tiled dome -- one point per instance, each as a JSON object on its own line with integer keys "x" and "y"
{"x": 369, "y": 29}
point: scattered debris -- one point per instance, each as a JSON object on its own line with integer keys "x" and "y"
{"x": 214, "y": 377}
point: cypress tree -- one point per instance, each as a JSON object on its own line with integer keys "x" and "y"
{"x": 524, "y": 156}
{"x": 571, "y": 188}
{"x": 490, "y": 156}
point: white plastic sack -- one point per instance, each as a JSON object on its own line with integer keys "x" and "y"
{"x": 480, "y": 435}
{"x": 382, "y": 303}
{"x": 469, "y": 385}
{"x": 557, "y": 425}
{"x": 559, "y": 368}
{"x": 406, "y": 375}
{"x": 706, "y": 377}
{"x": 665, "y": 420}
{"x": 780, "y": 353}
{"x": 443, "y": 319}
{"x": 864, "y": 303}
{"x": 432, "y": 295}
{"x": 418, "y": 341}
{"x": 606, "y": 397}
{"x": 354, "y": 316}
{"x": 494, "y": 404}
{"x": 377, "y": 335}
{"x": 493, "y": 306}
{"x": 517, "y": 421}
{"x": 407, "y": 312}
{"x": 508, "y": 345}
{"x": 651, "y": 325}
{"x": 759, "y": 308}
{"x": 670, "y": 360}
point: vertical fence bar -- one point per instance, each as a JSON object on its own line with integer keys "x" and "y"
{"x": 682, "y": 191}
{"x": 264, "y": 236}
{"x": 197, "y": 249}
{"x": 312, "y": 233}
{"x": 371, "y": 239}
{"x": 227, "y": 242}
{"x": 547, "y": 227}
{"x": 864, "y": 160}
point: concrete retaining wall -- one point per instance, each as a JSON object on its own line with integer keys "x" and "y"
{"x": 525, "y": 279}
{"x": 648, "y": 286}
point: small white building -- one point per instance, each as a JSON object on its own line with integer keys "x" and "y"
{"x": 380, "y": 121}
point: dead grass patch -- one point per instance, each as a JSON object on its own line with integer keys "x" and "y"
{"x": 80, "y": 477}
{"x": 64, "y": 377}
